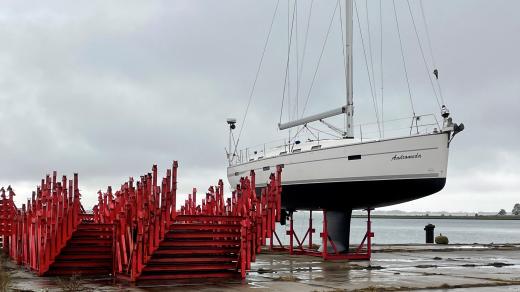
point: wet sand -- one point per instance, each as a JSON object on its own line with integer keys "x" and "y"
{"x": 392, "y": 268}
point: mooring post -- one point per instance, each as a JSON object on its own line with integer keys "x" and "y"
{"x": 429, "y": 232}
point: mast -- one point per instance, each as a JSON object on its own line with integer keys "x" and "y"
{"x": 348, "y": 109}
{"x": 348, "y": 68}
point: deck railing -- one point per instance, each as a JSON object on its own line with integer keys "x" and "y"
{"x": 392, "y": 128}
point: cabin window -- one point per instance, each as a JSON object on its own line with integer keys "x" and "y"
{"x": 265, "y": 168}
{"x": 283, "y": 152}
{"x": 297, "y": 150}
{"x": 315, "y": 147}
{"x": 236, "y": 173}
{"x": 251, "y": 159}
{"x": 260, "y": 157}
{"x": 354, "y": 157}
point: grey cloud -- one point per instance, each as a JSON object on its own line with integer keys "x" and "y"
{"x": 109, "y": 88}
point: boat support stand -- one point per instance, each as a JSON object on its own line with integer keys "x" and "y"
{"x": 362, "y": 252}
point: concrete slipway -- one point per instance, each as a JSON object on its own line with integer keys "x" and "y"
{"x": 392, "y": 268}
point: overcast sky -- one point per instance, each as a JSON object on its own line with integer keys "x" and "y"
{"x": 107, "y": 89}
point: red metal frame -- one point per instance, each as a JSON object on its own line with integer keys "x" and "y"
{"x": 278, "y": 246}
{"x": 358, "y": 254}
{"x": 44, "y": 225}
{"x": 8, "y": 212}
{"x": 141, "y": 223}
{"x": 136, "y": 220}
{"x": 362, "y": 252}
{"x": 142, "y": 215}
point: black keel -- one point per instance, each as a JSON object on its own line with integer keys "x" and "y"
{"x": 338, "y": 229}
{"x": 340, "y": 196}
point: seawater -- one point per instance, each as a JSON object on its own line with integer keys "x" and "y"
{"x": 405, "y": 231}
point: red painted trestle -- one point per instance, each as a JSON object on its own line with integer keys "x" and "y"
{"x": 297, "y": 247}
{"x": 146, "y": 221}
{"x": 138, "y": 231}
{"x": 141, "y": 214}
{"x": 7, "y": 214}
{"x": 42, "y": 227}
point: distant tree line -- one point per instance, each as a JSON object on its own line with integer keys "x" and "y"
{"x": 515, "y": 211}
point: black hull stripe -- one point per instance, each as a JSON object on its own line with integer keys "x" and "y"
{"x": 341, "y": 196}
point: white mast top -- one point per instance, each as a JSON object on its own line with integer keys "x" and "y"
{"x": 348, "y": 68}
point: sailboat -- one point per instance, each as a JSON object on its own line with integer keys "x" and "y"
{"x": 351, "y": 172}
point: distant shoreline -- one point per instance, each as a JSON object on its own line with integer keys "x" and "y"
{"x": 458, "y": 217}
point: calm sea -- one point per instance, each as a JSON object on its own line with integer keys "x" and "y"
{"x": 402, "y": 231}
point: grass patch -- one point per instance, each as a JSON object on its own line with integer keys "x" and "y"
{"x": 72, "y": 284}
{"x": 368, "y": 268}
{"x": 498, "y": 264}
{"x": 5, "y": 275}
{"x": 425, "y": 266}
{"x": 441, "y": 239}
{"x": 5, "y": 280}
{"x": 264, "y": 271}
{"x": 377, "y": 289}
{"x": 287, "y": 278}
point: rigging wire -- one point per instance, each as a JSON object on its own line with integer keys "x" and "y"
{"x": 306, "y": 126}
{"x": 323, "y": 132}
{"x": 257, "y": 74}
{"x": 305, "y": 41}
{"x": 299, "y": 130}
{"x": 370, "y": 49}
{"x": 381, "y": 66}
{"x": 427, "y": 33}
{"x": 286, "y": 85}
{"x": 368, "y": 70}
{"x": 402, "y": 55}
{"x": 430, "y": 47}
{"x": 422, "y": 54}
{"x": 319, "y": 59}
{"x": 302, "y": 62}
{"x": 310, "y": 132}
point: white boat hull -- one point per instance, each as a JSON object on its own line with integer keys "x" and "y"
{"x": 358, "y": 175}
